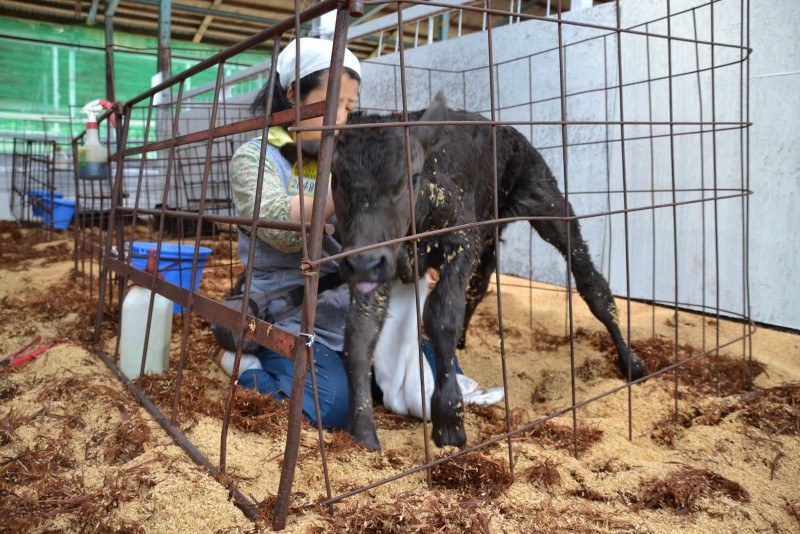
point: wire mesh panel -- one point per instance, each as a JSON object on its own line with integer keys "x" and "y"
{"x": 191, "y": 165}
{"x": 180, "y": 176}
{"x": 33, "y": 189}
{"x": 634, "y": 199}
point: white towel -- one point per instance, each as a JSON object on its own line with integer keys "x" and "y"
{"x": 396, "y": 359}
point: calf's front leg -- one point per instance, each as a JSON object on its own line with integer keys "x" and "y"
{"x": 444, "y": 319}
{"x": 362, "y": 328}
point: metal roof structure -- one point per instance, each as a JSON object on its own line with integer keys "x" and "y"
{"x": 225, "y": 22}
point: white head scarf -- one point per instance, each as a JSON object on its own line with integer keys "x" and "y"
{"x": 315, "y": 54}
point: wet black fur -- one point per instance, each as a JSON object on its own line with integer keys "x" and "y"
{"x": 453, "y": 169}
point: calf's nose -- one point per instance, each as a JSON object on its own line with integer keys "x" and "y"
{"x": 367, "y": 266}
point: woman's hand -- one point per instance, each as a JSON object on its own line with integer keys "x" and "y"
{"x": 294, "y": 208}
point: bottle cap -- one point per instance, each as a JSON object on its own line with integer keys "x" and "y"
{"x": 151, "y": 263}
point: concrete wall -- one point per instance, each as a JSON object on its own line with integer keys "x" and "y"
{"x": 710, "y": 239}
{"x": 693, "y": 253}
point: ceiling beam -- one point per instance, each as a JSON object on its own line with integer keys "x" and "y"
{"x": 410, "y": 14}
{"x": 371, "y": 12}
{"x": 225, "y": 12}
{"x": 230, "y": 10}
{"x": 111, "y": 7}
{"x": 90, "y": 18}
{"x": 198, "y": 36}
{"x": 224, "y": 23}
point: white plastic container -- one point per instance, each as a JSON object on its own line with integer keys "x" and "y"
{"x": 62, "y": 160}
{"x": 134, "y": 328}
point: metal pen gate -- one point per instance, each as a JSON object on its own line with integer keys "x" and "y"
{"x": 641, "y": 134}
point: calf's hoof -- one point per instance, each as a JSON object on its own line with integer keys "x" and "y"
{"x": 637, "y": 367}
{"x": 366, "y": 437}
{"x": 369, "y": 441}
{"x": 448, "y": 424}
{"x": 454, "y": 436}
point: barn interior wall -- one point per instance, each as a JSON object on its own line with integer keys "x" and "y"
{"x": 710, "y": 243}
{"x": 526, "y": 88}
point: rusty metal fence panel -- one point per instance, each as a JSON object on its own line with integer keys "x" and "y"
{"x": 187, "y": 149}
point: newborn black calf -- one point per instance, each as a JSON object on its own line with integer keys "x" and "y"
{"x": 451, "y": 169}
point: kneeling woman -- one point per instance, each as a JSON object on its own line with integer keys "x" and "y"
{"x": 278, "y": 254}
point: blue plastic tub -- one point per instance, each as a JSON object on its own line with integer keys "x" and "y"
{"x": 62, "y": 211}
{"x": 40, "y": 196}
{"x": 175, "y": 263}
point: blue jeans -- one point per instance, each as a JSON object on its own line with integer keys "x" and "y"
{"x": 275, "y": 379}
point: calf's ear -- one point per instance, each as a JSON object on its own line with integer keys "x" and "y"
{"x": 437, "y": 111}
{"x": 310, "y": 149}
{"x": 289, "y": 151}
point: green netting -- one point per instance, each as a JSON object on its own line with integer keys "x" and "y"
{"x": 50, "y": 71}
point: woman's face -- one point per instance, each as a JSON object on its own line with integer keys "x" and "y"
{"x": 348, "y": 101}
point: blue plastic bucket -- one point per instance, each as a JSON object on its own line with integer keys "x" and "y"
{"x": 40, "y": 196}
{"x": 62, "y": 211}
{"x": 175, "y": 263}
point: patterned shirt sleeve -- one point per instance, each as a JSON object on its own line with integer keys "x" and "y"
{"x": 274, "y": 198}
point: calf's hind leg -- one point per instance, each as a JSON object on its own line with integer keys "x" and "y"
{"x": 591, "y": 285}
{"x": 478, "y": 284}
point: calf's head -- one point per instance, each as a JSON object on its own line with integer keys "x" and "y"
{"x": 370, "y": 185}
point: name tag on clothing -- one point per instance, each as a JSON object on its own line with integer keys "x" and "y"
{"x": 309, "y": 179}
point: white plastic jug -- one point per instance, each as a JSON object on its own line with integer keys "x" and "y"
{"x": 134, "y": 327}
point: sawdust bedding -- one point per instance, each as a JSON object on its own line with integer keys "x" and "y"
{"x": 77, "y": 453}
